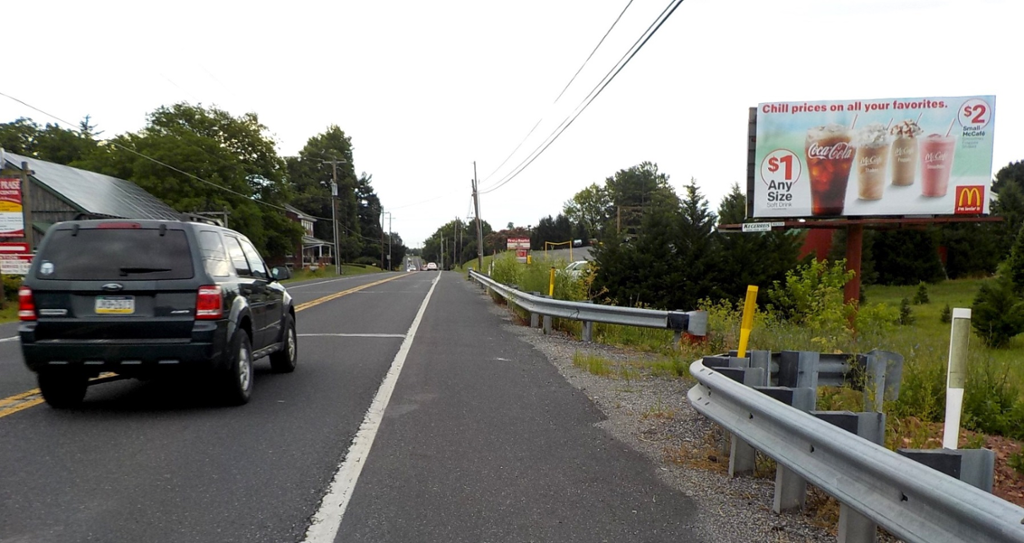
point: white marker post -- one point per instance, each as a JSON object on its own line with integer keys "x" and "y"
{"x": 959, "y": 335}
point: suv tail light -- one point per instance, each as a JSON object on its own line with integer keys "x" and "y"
{"x": 209, "y": 303}
{"x": 26, "y": 304}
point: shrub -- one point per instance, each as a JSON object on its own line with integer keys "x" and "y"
{"x": 906, "y": 315}
{"x": 921, "y": 297}
{"x": 813, "y": 297}
{"x": 11, "y": 285}
{"x": 997, "y": 313}
{"x": 946, "y": 316}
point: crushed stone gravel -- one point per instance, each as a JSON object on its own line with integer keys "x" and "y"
{"x": 652, "y": 415}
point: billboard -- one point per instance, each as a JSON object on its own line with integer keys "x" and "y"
{"x": 12, "y": 221}
{"x": 520, "y": 245}
{"x": 878, "y": 157}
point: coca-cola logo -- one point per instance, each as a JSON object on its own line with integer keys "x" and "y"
{"x": 839, "y": 151}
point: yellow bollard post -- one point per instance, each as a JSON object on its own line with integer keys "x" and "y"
{"x": 749, "y": 307}
{"x": 551, "y": 283}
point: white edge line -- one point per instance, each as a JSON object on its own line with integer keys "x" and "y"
{"x": 327, "y": 519}
{"x": 353, "y": 335}
{"x": 6, "y": 339}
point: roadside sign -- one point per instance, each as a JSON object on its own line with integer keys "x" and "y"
{"x": 15, "y": 264}
{"x": 13, "y": 247}
{"x": 761, "y": 226}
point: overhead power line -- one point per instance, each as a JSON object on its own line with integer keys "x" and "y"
{"x": 528, "y": 134}
{"x": 609, "y": 77}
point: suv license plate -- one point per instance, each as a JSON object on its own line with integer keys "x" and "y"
{"x": 115, "y": 305}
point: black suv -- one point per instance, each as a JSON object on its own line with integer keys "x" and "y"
{"x": 151, "y": 298}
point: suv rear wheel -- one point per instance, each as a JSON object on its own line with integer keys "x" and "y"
{"x": 283, "y": 361}
{"x": 237, "y": 382}
{"x": 63, "y": 390}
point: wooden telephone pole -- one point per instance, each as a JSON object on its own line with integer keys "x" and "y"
{"x": 479, "y": 226}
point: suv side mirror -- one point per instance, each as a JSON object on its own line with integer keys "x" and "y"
{"x": 280, "y": 273}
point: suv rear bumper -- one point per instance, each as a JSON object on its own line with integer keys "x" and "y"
{"x": 205, "y": 350}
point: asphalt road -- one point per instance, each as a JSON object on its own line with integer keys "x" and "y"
{"x": 446, "y": 427}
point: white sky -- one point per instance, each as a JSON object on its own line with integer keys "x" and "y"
{"x": 425, "y": 88}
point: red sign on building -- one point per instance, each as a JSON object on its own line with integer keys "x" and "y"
{"x": 12, "y": 218}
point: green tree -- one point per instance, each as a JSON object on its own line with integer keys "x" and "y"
{"x": 458, "y": 240}
{"x": 311, "y": 175}
{"x": 907, "y": 257}
{"x": 972, "y": 249}
{"x": 50, "y": 143}
{"x": 554, "y": 230}
{"x": 590, "y": 209}
{"x": 751, "y": 258}
{"x": 231, "y": 164}
{"x": 997, "y": 314}
{"x": 1009, "y": 204}
{"x": 633, "y": 192}
{"x": 670, "y": 264}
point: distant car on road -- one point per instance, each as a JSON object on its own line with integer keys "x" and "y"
{"x": 431, "y": 266}
{"x": 577, "y": 268}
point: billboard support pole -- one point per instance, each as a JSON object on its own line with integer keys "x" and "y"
{"x": 854, "y": 244}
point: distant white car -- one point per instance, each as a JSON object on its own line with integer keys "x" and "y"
{"x": 577, "y": 268}
{"x": 431, "y": 266}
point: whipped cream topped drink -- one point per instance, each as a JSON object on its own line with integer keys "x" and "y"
{"x": 872, "y": 157}
{"x": 904, "y": 151}
{"x": 829, "y": 157}
{"x": 936, "y": 164}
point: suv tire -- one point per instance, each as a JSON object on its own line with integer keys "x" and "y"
{"x": 237, "y": 382}
{"x": 63, "y": 390}
{"x": 284, "y": 360}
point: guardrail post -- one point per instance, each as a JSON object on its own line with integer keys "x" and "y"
{"x": 588, "y": 327}
{"x": 798, "y": 369}
{"x": 853, "y": 526}
{"x": 798, "y": 382}
{"x": 677, "y": 321}
{"x": 547, "y": 318}
{"x": 534, "y": 316}
{"x": 742, "y": 457}
{"x": 975, "y": 467}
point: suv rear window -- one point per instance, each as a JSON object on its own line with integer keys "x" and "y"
{"x": 115, "y": 254}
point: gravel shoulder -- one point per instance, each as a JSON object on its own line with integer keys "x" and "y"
{"x": 652, "y": 415}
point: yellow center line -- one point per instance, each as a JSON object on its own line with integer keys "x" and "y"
{"x": 337, "y": 295}
{"x": 24, "y": 400}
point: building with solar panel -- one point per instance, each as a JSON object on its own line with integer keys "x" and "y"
{"x": 62, "y": 193}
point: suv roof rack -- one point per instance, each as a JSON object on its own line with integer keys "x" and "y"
{"x": 195, "y": 217}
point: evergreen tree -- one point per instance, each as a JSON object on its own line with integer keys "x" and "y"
{"x": 751, "y": 258}
{"x": 906, "y": 257}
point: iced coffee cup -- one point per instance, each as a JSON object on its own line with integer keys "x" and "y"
{"x": 829, "y": 157}
{"x": 904, "y": 152}
{"x": 872, "y": 158}
{"x": 936, "y": 164}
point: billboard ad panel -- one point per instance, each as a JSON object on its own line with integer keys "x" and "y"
{"x": 877, "y": 157}
{"x": 12, "y": 219}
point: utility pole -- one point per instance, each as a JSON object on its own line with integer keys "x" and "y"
{"x": 389, "y": 235}
{"x": 334, "y": 206}
{"x": 479, "y": 227}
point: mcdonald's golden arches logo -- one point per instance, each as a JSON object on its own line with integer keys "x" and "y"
{"x": 970, "y": 199}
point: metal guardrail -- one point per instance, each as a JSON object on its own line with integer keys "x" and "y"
{"x": 910, "y": 500}
{"x": 692, "y": 322}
